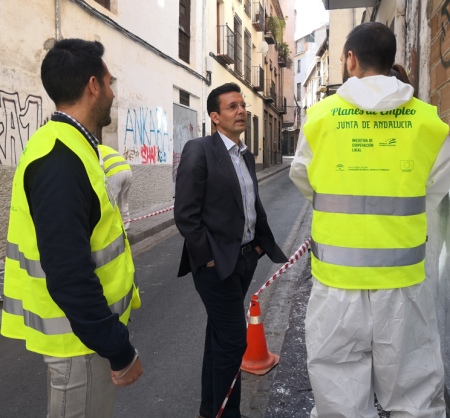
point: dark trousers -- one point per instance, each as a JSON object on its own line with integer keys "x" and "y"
{"x": 226, "y": 334}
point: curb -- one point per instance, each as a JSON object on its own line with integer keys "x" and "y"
{"x": 136, "y": 237}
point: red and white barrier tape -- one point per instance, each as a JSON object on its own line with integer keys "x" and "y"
{"x": 294, "y": 258}
{"x": 219, "y": 414}
{"x": 158, "y": 212}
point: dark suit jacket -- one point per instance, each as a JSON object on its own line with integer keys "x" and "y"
{"x": 209, "y": 212}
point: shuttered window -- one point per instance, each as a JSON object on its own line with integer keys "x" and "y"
{"x": 184, "y": 32}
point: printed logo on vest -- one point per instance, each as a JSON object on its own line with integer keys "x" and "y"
{"x": 406, "y": 165}
{"x": 340, "y": 167}
{"x": 392, "y": 142}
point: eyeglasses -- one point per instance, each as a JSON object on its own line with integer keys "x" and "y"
{"x": 235, "y": 106}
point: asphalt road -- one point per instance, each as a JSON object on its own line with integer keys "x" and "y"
{"x": 168, "y": 330}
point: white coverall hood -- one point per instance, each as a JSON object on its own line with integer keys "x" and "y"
{"x": 376, "y": 93}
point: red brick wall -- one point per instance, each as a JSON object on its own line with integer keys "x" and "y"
{"x": 440, "y": 57}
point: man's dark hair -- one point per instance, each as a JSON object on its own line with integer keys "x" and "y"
{"x": 374, "y": 45}
{"x": 212, "y": 104}
{"x": 68, "y": 66}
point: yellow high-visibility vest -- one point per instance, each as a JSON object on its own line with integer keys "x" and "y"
{"x": 369, "y": 173}
{"x": 29, "y": 313}
{"x": 113, "y": 162}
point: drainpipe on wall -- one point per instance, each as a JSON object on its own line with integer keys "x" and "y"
{"x": 400, "y": 32}
{"x": 58, "y": 19}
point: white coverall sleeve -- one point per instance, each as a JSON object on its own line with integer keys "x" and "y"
{"x": 298, "y": 172}
{"x": 439, "y": 180}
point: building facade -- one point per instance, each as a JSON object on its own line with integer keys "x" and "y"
{"x": 166, "y": 56}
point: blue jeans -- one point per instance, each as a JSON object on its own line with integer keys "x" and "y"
{"x": 80, "y": 387}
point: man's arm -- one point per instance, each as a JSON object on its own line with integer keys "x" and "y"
{"x": 439, "y": 179}
{"x": 65, "y": 209}
{"x": 189, "y": 196}
{"x": 299, "y": 169}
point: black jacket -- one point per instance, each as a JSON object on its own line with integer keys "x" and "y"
{"x": 209, "y": 212}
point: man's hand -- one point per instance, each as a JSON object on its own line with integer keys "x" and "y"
{"x": 210, "y": 264}
{"x": 129, "y": 375}
{"x": 259, "y": 250}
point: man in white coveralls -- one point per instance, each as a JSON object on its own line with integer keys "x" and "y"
{"x": 371, "y": 160}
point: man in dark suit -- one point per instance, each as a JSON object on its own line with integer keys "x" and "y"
{"x": 219, "y": 213}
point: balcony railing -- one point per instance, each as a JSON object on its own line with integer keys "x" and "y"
{"x": 269, "y": 37}
{"x": 258, "y": 78}
{"x": 258, "y": 16}
{"x": 282, "y": 106}
{"x": 270, "y": 95}
{"x": 225, "y": 44}
{"x": 282, "y": 59}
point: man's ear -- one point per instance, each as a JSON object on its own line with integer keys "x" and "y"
{"x": 93, "y": 86}
{"x": 214, "y": 116}
{"x": 352, "y": 62}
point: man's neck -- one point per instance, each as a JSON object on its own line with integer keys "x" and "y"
{"x": 234, "y": 138}
{"x": 79, "y": 114}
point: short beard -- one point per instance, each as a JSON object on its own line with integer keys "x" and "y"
{"x": 345, "y": 75}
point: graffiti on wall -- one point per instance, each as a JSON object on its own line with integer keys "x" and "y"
{"x": 445, "y": 15}
{"x": 184, "y": 129}
{"x": 182, "y": 135}
{"x": 146, "y": 137}
{"x": 17, "y": 124}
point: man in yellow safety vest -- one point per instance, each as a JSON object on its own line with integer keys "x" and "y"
{"x": 69, "y": 274}
{"x": 371, "y": 158}
{"x": 118, "y": 172}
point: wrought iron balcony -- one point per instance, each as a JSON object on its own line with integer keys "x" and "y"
{"x": 282, "y": 59}
{"x": 269, "y": 37}
{"x": 270, "y": 95}
{"x": 282, "y": 106}
{"x": 225, "y": 44}
{"x": 258, "y": 16}
{"x": 258, "y": 78}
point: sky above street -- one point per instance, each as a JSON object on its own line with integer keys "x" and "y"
{"x": 311, "y": 14}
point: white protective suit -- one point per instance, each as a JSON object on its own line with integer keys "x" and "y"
{"x": 383, "y": 341}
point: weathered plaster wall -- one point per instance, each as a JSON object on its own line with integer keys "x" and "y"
{"x": 147, "y": 86}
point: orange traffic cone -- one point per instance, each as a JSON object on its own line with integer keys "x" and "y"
{"x": 257, "y": 359}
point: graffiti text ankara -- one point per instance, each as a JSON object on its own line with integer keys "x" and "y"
{"x": 146, "y": 131}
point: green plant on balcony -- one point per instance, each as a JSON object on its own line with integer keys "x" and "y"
{"x": 276, "y": 25}
{"x": 285, "y": 53}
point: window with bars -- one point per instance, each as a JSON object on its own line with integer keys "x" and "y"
{"x": 184, "y": 31}
{"x": 185, "y": 98}
{"x": 237, "y": 45}
{"x": 255, "y": 135}
{"x": 105, "y": 3}
{"x": 248, "y": 56}
{"x": 299, "y": 66}
{"x": 299, "y": 92}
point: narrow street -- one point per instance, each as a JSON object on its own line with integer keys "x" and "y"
{"x": 168, "y": 330}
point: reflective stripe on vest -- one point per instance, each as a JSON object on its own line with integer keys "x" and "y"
{"x": 55, "y": 326}
{"x": 113, "y": 166}
{"x": 368, "y": 257}
{"x": 34, "y": 268}
{"x": 369, "y": 205}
